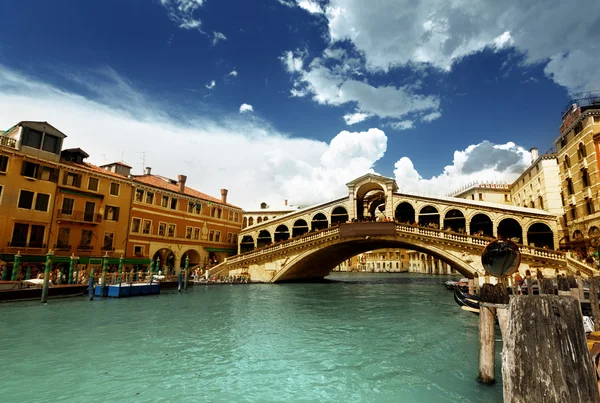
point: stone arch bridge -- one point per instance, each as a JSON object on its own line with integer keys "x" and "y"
{"x": 308, "y": 243}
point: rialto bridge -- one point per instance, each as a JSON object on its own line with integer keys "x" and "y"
{"x": 310, "y": 242}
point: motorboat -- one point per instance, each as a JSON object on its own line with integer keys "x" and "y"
{"x": 32, "y": 289}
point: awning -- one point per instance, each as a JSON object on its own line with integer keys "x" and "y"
{"x": 228, "y": 250}
{"x": 82, "y": 260}
{"x": 137, "y": 260}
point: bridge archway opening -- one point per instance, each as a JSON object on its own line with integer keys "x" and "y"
{"x": 509, "y": 228}
{"x": 455, "y": 221}
{"x": 263, "y": 239}
{"x": 405, "y": 213}
{"x": 429, "y": 216}
{"x": 367, "y": 195}
{"x": 247, "y": 244}
{"x": 339, "y": 215}
{"x": 300, "y": 227}
{"x": 481, "y": 225}
{"x": 319, "y": 222}
{"x": 282, "y": 233}
{"x": 541, "y": 236}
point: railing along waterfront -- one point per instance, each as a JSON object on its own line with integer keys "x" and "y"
{"x": 423, "y": 231}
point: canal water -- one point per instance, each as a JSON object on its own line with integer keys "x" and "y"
{"x": 366, "y": 338}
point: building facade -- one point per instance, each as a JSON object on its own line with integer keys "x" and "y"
{"x": 490, "y": 192}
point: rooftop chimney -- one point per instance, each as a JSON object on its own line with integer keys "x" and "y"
{"x": 285, "y": 202}
{"x": 534, "y": 154}
{"x": 181, "y": 182}
{"x": 224, "y": 196}
{"x": 148, "y": 171}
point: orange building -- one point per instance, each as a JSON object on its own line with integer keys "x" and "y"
{"x": 170, "y": 221}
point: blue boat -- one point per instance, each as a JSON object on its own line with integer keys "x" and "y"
{"x": 128, "y": 290}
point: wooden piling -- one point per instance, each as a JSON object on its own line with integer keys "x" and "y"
{"x": 471, "y": 289}
{"x": 580, "y": 286}
{"x": 563, "y": 286}
{"x": 594, "y": 302}
{"x": 476, "y": 285}
{"x": 545, "y": 357}
{"x": 490, "y": 294}
{"x": 529, "y": 283}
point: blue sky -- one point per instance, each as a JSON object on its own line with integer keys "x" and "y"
{"x": 291, "y": 99}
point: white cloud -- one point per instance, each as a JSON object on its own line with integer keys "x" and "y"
{"x": 431, "y": 117}
{"x": 391, "y": 33}
{"x": 211, "y": 85}
{"x": 302, "y": 170}
{"x": 329, "y": 87}
{"x": 287, "y": 3}
{"x": 233, "y": 73}
{"x": 246, "y": 108}
{"x": 181, "y": 12}
{"x": 402, "y": 125}
{"x": 353, "y": 118}
{"x": 310, "y": 5}
{"x": 483, "y": 162}
{"x": 217, "y": 36}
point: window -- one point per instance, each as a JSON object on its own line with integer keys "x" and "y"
{"x": 36, "y": 236}
{"x": 62, "y": 242}
{"x": 171, "y": 232}
{"x": 93, "y": 184}
{"x": 219, "y": 211}
{"x": 217, "y": 236}
{"x": 236, "y": 217}
{"x": 191, "y": 207}
{"x": 211, "y": 235}
{"x": 114, "y": 189}
{"x": 150, "y": 197}
{"x": 589, "y": 205}
{"x": 146, "y": 227}
{"x": 89, "y": 211}
{"x": 49, "y": 174}
{"x": 51, "y": 144}
{"x": 165, "y": 201}
{"x": 541, "y": 202}
{"x": 138, "y": 250}
{"x": 229, "y": 237}
{"x": 139, "y": 195}
{"x": 573, "y": 212}
{"x": 198, "y": 208}
{"x": 585, "y": 178}
{"x": 578, "y": 128}
{"x": 230, "y": 216}
{"x": 3, "y": 163}
{"x": 581, "y": 153}
{"x": 72, "y": 179}
{"x": 506, "y": 198}
{"x": 30, "y": 170}
{"x": 19, "y": 235}
{"x": 173, "y": 204}
{"x": 196, "y": 233}
{"x": 472, "y": 197}
{"x": 162, "y": 229}
{"x": 570, "y": 186}
{"x": 86, "y": 239}
{"x": 41, "y": 202}
{"x": 562, "y": 199}
{"x": 213, "y": 212}
{"x": 31, "y": 138}
{"x": 107, "y": 244}
{"x": 111, "y": 213}
{"x": 26, "y": 199}
{"x": 135, "y": 225}
{"x": 188, "y": 232}
{"x": 567, "y": 162}
{"x": 480, "y": 196}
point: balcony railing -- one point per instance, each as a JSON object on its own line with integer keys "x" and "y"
{"x": 85, "y": 247}
{"x": 79, "y": 216}
{"x": 62, "y": 247}
{"x": 27, "y": 245}
{"x": 8, "y": 142}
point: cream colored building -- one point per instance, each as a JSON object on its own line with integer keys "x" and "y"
{"x": 265, "y": 213}
{"x": 489, "y": 192}
{"x": 419, "y": 262}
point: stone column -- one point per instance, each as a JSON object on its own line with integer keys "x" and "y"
{"x": 389, "y": 200}
{"x": 352, "y": 209}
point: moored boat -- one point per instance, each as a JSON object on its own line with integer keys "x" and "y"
{"x": 27, "y": 290}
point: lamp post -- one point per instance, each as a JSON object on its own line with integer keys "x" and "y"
{"x": 104, "y": 270}
{"x": 16, "y": 266}
{"x": 47, "y": 276}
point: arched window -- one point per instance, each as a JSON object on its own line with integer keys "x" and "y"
{"x": 581, "y": 153}
{"x": 259, "y": 220}
{"x": 585, "y": 178}
{"x": 251, "y": 221}
{"x": 567, "y": 162}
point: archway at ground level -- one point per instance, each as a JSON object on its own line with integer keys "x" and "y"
{"x": 481, "y": 225}
{"x": 594, "y": 232}
{"x": 509, "y": 228}
{"x": 194, "y": 257}
{"x": 300, "y": 227}
{"x": 247, "y": 244}
{"x": 541, "y": 236}
{"x": 454, "y": 220}
{"x": 214, "y": 258}
{"x": 405, "y": 213}
{"x": 167, "y": 260}
{"x": 263, "y": 239}
{"x": 577, "y": 235}
{"x": 317, "y": 264}
{"x": 339, "y": 215}
{"x": 282, "y": 233}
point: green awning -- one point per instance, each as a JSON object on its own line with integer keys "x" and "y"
{"x": 67, "y": 259}
{"x": 137, "y": 260}
{"x": 228, "y": 250}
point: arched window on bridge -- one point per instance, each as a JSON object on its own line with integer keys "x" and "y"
{"x": 263, "y": 239}
{"x": 481, "y": 225}
{"x": 282, "y": 233}
{"x": 259, "y": 220}
{"x": 247, "y": 244}
{"x": 455, "y": 221}
{"x": 541, "y": 236}
{"x": 339, "y": 215}
{"x": 429, "y": 216}
{"x": 577, "y": 235}
{"x": 594, "y": 232}
{"x": 509, "y": 228}
{"x": 405, "y": 213}
{"x": 265, "y": 219}
{"x": 250, "y": 221}
{"x": 245, "y": 222}
{"x": 300, "y": 227}
{"x": 318, "y": 222}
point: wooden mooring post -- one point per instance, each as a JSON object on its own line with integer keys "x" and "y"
{"x": 489, "y": 296}
{"x": 594, "y": 302}
{"x": 545, "y": 357}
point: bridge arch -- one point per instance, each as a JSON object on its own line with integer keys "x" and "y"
{"x": 540, "y": 235}
{"x": 264, "y": 238}
{"x": 429, "y": 216}
{"x": 454, "y": 219}
{"x": 339, "y": 215}
{"x": 246, "y": 244}
{"x": 509, "y": 228}
{"x": 300, "y": 227}
{"x": 481, "y": 225}
{"x": 319, "y": 221}
{"x": 405, "y": 212}
{"x": 373, "y": 194}
{"x": 282, "y": 233}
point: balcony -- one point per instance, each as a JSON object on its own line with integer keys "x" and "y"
{"x": 85, "y": 248}
{"x": 26, "y": 245}
{"x": 8, "y": 142}
{"x": 62, "y": 247}
{"x": 79, "y": 216}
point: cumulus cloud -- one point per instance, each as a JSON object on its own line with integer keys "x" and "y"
{"x": 353, "y": 118}
{"x": 181, "y": 12}
{"x": 483, "y": 162}
{"x": 211, "y": 85}
{"x": 233, "y": 73}
{"x": 218, "y": 36}
{"x": 310, "y": 5}
{"x": 246, "y": 108}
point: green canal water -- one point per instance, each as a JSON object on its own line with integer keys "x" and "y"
{"x": 367, "y": 338}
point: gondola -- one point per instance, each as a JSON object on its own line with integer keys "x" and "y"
{"x": 466, "y": 301}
